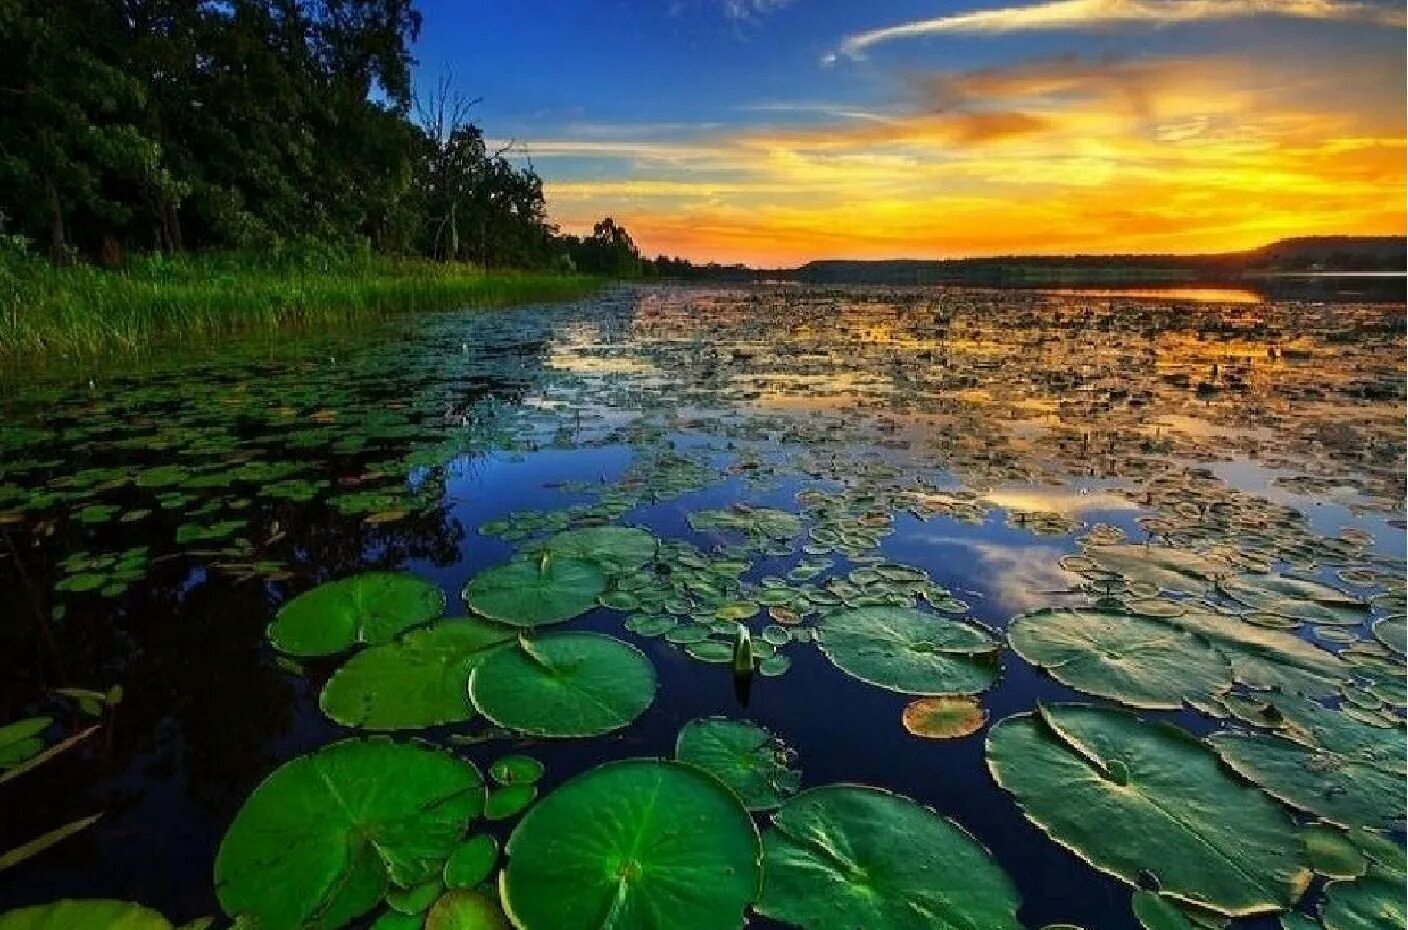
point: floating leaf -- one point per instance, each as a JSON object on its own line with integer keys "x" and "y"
{"x": 1332, "y": 853}
{"x": 516, "y": 770}
{"x": 20, "y": 740}
{"x": 1374, "y": 902}
{"x": 947, "y": 717}
{"x": 564, "y": 684}
{"x": 1304, "y": 599}
{"x": 508, "y": 801}
{"x": 851, "y": 856}
{"x": 537, "y": 592}
{"x": 420, "y": 680}
{"x": 904, "y": 650}
{"x": 1141, "y": 662}
{"x": 466, "y": 910}
{"x": 472, "y": 862}
{"x": 84, "y": 915}
{"x": 325, "y": 836}
{"x": 634, "y": 845}
{"x": 616, "y": 549}
{"x": 369, "y": 608}
{"x": 1135, "y": 799}
{"x": 744, "y": 756}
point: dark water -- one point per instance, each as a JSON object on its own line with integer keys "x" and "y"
{"x": 1052, "y": 414}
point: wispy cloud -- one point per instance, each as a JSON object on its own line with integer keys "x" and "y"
{"x": 747, "y": 9}
{"x": 1090, "y": 14}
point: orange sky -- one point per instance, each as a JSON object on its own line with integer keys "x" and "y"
{"x": 1058, "y": 153}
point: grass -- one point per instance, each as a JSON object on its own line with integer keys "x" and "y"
{"x": 81, "y": 311}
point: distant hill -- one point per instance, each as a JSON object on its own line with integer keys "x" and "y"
{"x": 1310, "y": 253}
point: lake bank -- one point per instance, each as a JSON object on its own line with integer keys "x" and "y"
{"x": 79, "y": 312}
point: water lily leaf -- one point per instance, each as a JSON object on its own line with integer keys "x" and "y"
{"x": 1393, "y": 633}
{"x": 901, "y": 649}
{"x": 472, "y": 862}
{"x": 747, "y": 758}
{"x": 420, "y": 680}
{"x": 1304, "y": 599}
{"x": 634, "y": 845}
{"x": 1264, "y": 658}
{"x": 1177, "y": 571}
{"x": 1136, "y": 799}
{"x": 1141, "y": 662}
{"x": 564, "y": 684}
{"x": 516, "y": 770}
{"x": 833, "y": 858}
{"x": 536, "y": 592}
{"x": 1343, "y": 789}
{"x": 321, "y": 840}
{"x": 1374, "y": 902}
{"x": 1332, "y": 853}
{"x": 462, "y": 909}
{"x": 618, "y": 550}
{"x": 84, "y": 915}
{"x": 508, "y": 800}
{"x": 20, "y": 740}
{"x": 369, "y": 608}
{"x": 947, "y": 717}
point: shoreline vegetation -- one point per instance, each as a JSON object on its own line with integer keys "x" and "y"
{"x": 81, "y": 312}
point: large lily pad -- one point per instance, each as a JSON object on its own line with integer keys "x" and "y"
{"x": 84, "y": 915}
{"x": 634, "y": 845}
{"x": 1374, "y": 902}
{"x": 1130, "y": 659}
{"x": 320, "y": 842}
{"x": 1265, "y": 658}
{"x": 852, "y": 856}
{"x": 1177, "y": 571}
{"x": 744, "y": 756}
{"x": 421, "y": 680}
{"x": 905, "y": 650}
{"x": 534, "y": 592}
{"x": 368, "y": 608}
{"x": 1136, "y": 799}
{"x": 1302, "y": 598}
{"x": 564, "y": 684}
{"x": 616, "y": 549}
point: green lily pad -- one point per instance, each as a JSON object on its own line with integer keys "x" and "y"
{"x": 1304, "y": 599}
{"x": 901, "y": 649}
{"x": 516, "y": 770}
{"x": 84, "y": 915}
{"x": 509, "y": 800}
{"x": 472, "y": 862}
{"x": 369, "y": 608}
{"x": 564, "y": 684}
{"x": 536, "y": 592}
{"x": 634, "y": 845}
{"x": 744, "y": 756}
{"x": 1374, "y": 902}
{"x": 851, "y": 856}
{"x": 321, "y": 841}
{"x": 1332, "y": 853}
{"x": 618, "y": 550}
{"x": 462, "y": 909}
{"x": 1136, "y": 799}
{"x": 20, "y": 740}
{"x": 1177, "y": 571}
{"x": 1264, "y": 658}
{"x": 1393, "y": 633}
{"x": 1136, "y": 661}
{"x": 420, "y": 680}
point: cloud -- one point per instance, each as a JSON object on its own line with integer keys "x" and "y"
{"x": 1091, "y": 14}
{"x": 747, "y": 9}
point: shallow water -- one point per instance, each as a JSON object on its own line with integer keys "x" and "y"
{"x": 994, "y": 433}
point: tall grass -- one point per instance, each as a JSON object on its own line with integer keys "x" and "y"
{"x": 80, "y": 311}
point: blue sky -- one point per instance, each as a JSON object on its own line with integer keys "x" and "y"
{"x": 779, "y": 130}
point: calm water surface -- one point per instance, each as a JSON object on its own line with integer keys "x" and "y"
{"x": 155, "y": 520}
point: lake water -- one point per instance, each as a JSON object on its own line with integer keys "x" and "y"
{"x": 967, "y": 455}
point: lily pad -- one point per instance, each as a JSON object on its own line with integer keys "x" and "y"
{"x": 1304, "y": 599}
{"x": 1393, "y": 633}
{"x": 20, "y": 740}
{"x": 321, "y": 841}
{"x": 616, "y": 549}
{"x": 472, "y": 862}
{"x": 852, "y": 856}
{"x": 905, "y": 650}
{"x": 528, "y": 593}
{"x": 1264, "y": 658}
{"x": 564, "y": 684}
{"x": 634, "y": 845}
{"x": 1136, "y": 799}
{"x": 947, "y": 717}
{"x": 462, "y": 909}
{"x": 421, "y": 680}
{"x": 744, "y": 756}
{"x": 369, "y": 608}
{"x": 1136, "y": 661}
{"x": 84, "y": 915}
{"x": 1374, "y": 902}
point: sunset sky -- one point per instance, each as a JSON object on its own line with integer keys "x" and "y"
{"x": 776, "y": 131}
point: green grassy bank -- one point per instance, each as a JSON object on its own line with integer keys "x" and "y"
{"x": 80, "y": 311}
